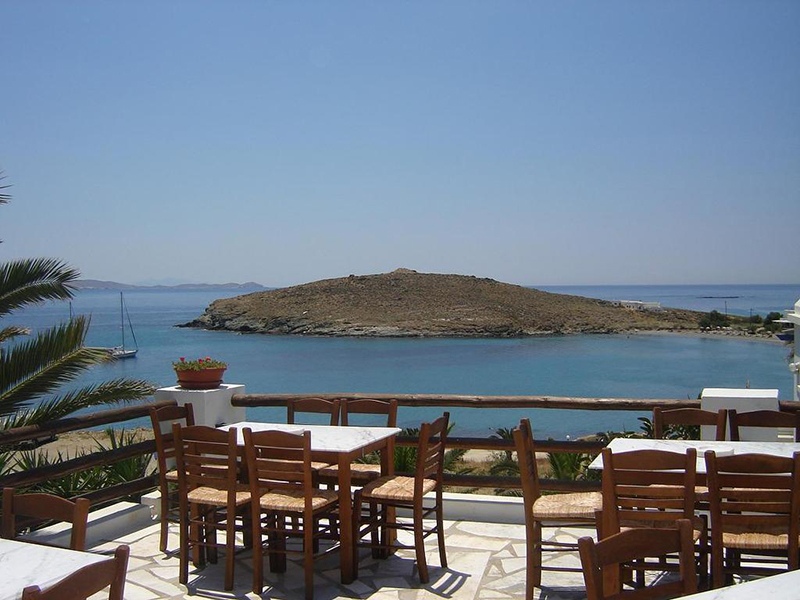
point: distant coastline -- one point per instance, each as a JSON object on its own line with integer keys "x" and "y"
{"x": 97, "y": 284}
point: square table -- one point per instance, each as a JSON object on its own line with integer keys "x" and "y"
{"x": 23, "y": 564}
{"x": 340, "y": 446}
{"x": 619, "y": 445}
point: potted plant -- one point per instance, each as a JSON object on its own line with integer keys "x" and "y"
{"x": 201, "y": 374}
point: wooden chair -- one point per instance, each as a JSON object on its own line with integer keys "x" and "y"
{"x": 47, "y": 508}
{"x": 755, "y": 510}
{"x": 361, "y": 473}
{"x": 209, "y": 493}
{"x": 567, "y": 509}
{"x": 691, "y": 417}
{"x": 314, "y": 406}
{"x": 87, "y": 581}
{"x": 281, "y": 485}
{"x": 764, "y": 418}
{"x": 637, "y": 545}
{"x": 165, "y": 453}
{"x": 407, "y": 492}
{"x": 651, "y": 489}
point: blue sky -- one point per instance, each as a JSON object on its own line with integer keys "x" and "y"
{"x": 549, "y": 143}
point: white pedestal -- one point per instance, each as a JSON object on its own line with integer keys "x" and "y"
{"x": 211, "y": 407}
{"x": 741, "y": 400}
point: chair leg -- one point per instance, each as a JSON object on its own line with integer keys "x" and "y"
{"x": 162, "y": 545}
{"x": 314, "y": 525}
{"x": 717, "y": 564}
{"x": 308, "y": 558}
{"x": 196, "y": 535}
{"x": 258, "y": 550}
{"x": 419, "y": 545}
{"x": 280, "y": 541}
{"x": 534, "y": 560}
{"x": 183, "y": 551}
{"x": 375, "y": 533}
{"x": 211, "y": 538}
{"x": 440, "y": 533}
{"x": 230, "y": 547}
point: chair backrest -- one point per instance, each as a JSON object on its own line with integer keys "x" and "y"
{"x": 206, "y": 457}
{"x": 689, "y": 416}
{"x": 279, "y": 460}
{"x": 87, "y": 581}
{"x": 48, "y": 508}
{"x": 764, "y": 418}
{"x": 165, "y": 444}
{"x": 430, "y": 453}
{"x": 756, "y": 492}
{"x": 640, "y": 543}
{"x": 369, "y": 406}
{"x": 312, "y": 405}
{"x": 644, "y": 487}
{"x": 526, "y": 459}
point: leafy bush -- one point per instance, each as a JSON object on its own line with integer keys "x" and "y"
{"x": 714, "y": 319}
{"x": 88, "y": 480}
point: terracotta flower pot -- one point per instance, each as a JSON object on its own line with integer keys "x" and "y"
{"x": 207, "y": 379}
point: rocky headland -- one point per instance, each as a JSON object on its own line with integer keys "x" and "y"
{"x": 405, "y": 303}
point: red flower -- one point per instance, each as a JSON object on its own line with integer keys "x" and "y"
{"x": 199, "y": 360}
{"x": 183, "y": 358}
{"x": 208, "y": 358}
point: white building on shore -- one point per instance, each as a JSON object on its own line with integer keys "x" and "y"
{"x": 637, "y": 304}
{"x": 794, "y": 364}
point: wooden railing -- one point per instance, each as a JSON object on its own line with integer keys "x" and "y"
{"x": 445, "y": 401}
{"x": 13, "y": 438}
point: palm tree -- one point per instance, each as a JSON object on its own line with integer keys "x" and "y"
{"x": 34, "y": 371}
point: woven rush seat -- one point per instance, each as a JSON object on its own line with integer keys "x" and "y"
{"x": 701, "y": 494}
{"x": 580, "y": 505}
{"x": 397, "y": 487}
{"x": 294, "y": 500}
{"x": 171, "y": 475}
{"x": 755, "y": 538}
{"x": 358, "y": 471}
{"x": 218, "y": 497}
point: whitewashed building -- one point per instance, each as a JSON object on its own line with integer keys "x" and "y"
{"x": 794, "y": 363}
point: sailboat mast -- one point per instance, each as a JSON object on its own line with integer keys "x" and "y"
{"x": 122, "y": 320}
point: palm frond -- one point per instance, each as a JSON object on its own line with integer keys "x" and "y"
{"x": 115, "y": 391}
{"x": 39, "y": 366}
{"x": 5, "y": 198}
{"x": 33, "y": 280}
{"x": 11, "y": 332}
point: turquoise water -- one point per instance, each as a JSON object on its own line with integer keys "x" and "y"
{"x": 581, "y": 365}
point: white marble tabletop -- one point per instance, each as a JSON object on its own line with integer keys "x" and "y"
{"x": 784, "y": 585}
{"x": 324, "y": 438}
{"x": 727, "y": 448}
{"x": 23, "y": 564}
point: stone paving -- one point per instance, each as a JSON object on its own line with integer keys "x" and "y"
{"x": 486, "y": 562}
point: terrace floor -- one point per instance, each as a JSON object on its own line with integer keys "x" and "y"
{"x": 486, "y": 562}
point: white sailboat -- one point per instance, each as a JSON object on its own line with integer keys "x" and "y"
{"x": 122, "y": 351}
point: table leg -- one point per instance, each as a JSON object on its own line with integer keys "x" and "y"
{"x": 389, "y": 534}
{"x": 345, "y": 519}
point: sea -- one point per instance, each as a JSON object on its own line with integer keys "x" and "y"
{"x": 635, "y": 366}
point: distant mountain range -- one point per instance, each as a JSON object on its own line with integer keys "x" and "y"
{"x": 97, "y": 284}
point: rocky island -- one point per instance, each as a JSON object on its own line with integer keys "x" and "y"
{"x": 405, "y": 303}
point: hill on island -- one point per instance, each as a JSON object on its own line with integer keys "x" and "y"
{"x": 405, "y": 303}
